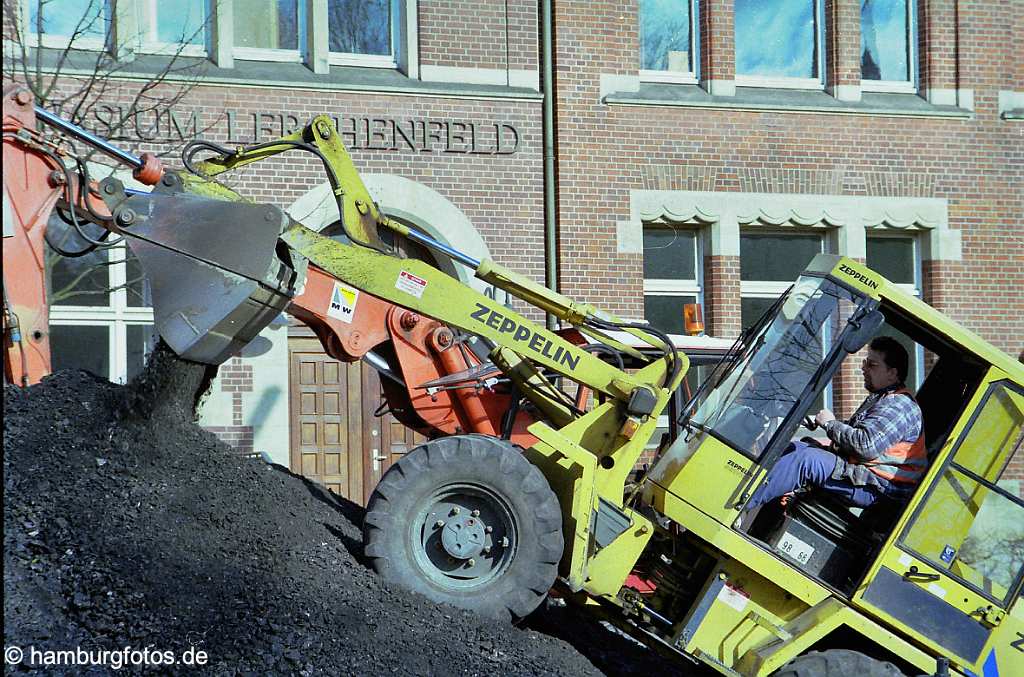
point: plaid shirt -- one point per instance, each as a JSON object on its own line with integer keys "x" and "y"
{"x": 879, "y": 423}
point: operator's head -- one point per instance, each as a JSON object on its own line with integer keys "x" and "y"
{"x": 886, "y": 364}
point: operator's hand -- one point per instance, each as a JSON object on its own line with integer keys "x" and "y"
{"x": 823, "y": 417}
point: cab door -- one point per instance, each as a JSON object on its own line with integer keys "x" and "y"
{"x": 952, "y": 577}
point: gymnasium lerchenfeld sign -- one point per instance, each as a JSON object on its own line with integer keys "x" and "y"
{"x": 421, "y": 135}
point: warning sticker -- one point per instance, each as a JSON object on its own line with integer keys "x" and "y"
{"x": 411, "y": 284}
{"x": 343, "y": 302}
{"x": 737, "y": 599}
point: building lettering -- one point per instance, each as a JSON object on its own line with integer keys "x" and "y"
{"x": 418, "y": 135}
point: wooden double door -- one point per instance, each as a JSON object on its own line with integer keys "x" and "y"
{"x": 336, "y": 440}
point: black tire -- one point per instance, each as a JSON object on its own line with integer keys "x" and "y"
{"x": 838, "y": 663}
{"x": 468, "y": 521}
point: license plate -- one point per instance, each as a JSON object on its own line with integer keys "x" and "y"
{"x": 794, "y": 548}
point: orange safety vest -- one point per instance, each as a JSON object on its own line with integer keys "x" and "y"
{"x": 903, "y": 462}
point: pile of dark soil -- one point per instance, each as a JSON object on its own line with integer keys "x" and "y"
{"x": 125, "y": 524}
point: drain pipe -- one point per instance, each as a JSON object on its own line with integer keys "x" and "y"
{"x": 547, "y": 46}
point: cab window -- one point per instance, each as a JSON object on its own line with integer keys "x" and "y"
{"x": 971, "y": 524}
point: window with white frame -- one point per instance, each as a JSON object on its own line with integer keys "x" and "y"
{"x": 363, "y": 32}
{"x": 779, "y": 43}
{"x": 769, "y": 264}
{"x": 269, "y": 30}
{"x": 672, "y": 274}
{"x": 672, "y": 278}
{"x": 173, "y": 27}
{"x": 86, "y": 23}
{"x": 369, "y": 33}
{"x": 101, "y": 315}
{"x": 669, "y": 46}
{"x": 897, "y": 257}
{"x": 888, "y": 42}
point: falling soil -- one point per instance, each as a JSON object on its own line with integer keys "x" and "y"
{"x": 127, "y": 525}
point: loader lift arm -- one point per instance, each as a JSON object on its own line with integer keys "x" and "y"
{"x": 369, "y": 266}
{"x": 585, "y": 454}
{"x": 42, "y": 174}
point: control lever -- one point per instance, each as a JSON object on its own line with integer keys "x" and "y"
{"x": 916, "y": 575}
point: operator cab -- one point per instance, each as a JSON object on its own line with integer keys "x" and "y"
{"x": 752, "y": 406}
{"x": 819, "y": 531}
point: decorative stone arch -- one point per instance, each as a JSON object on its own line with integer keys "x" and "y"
{"x": 847, "y": 217}
{"x": 408, "y": 201}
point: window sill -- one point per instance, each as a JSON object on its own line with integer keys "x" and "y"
{"x": 267, "y": 74}
{"x": 785, "y": 100}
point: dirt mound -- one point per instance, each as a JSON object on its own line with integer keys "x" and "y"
{"x": 125, "y": 524}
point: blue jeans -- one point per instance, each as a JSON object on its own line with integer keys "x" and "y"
{"x": 804, "y": 466}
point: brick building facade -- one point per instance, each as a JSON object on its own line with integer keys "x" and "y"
{"x": 680, "y": 125}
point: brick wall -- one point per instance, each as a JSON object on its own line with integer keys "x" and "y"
{"x": 722, "y": 295}
{"x": 605, "y": 151}
{"x": 235, "y": 378}
{"x": 717, "y": 54}
{"x": 842, "y": 45}
{"x": 478, "y": 33}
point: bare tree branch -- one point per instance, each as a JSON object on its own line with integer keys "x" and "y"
{"x": 58, "y": 59}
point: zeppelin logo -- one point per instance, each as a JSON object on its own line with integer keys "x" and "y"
{"x": 736, "y": 466}
{"x": 524, "y": 335}
{"x": 858, "y": 276}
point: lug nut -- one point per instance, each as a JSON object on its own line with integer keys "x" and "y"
{"x": 471, "y": 562}
{"x": 475, "y": 513}
{"x": 439, "y": 523}
{"x": 488, "y": 530}
{"x": 456, "y": 510}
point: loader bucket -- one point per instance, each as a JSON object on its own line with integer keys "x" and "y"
{"x": 217, "y": 272}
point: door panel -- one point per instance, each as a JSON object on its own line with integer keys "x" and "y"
{"x": 953, "y": 575}
{"x": 336, "y": 438}
{"x": 319, "y": 430}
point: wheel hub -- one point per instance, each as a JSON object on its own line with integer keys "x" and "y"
{"x": 463, "y": 536}
{"x": 466, "y": 535}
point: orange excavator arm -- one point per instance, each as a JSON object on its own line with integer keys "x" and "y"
{"x": 36, "y": 179}
{"x": 433, "y": 381}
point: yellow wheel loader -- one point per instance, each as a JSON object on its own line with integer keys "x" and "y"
{"x": 928, "y": 585}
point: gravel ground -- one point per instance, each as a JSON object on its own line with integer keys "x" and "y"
{"x": 125, "y": 524}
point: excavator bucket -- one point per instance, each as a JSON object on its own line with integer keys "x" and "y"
{"x": 217, "y": 271}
